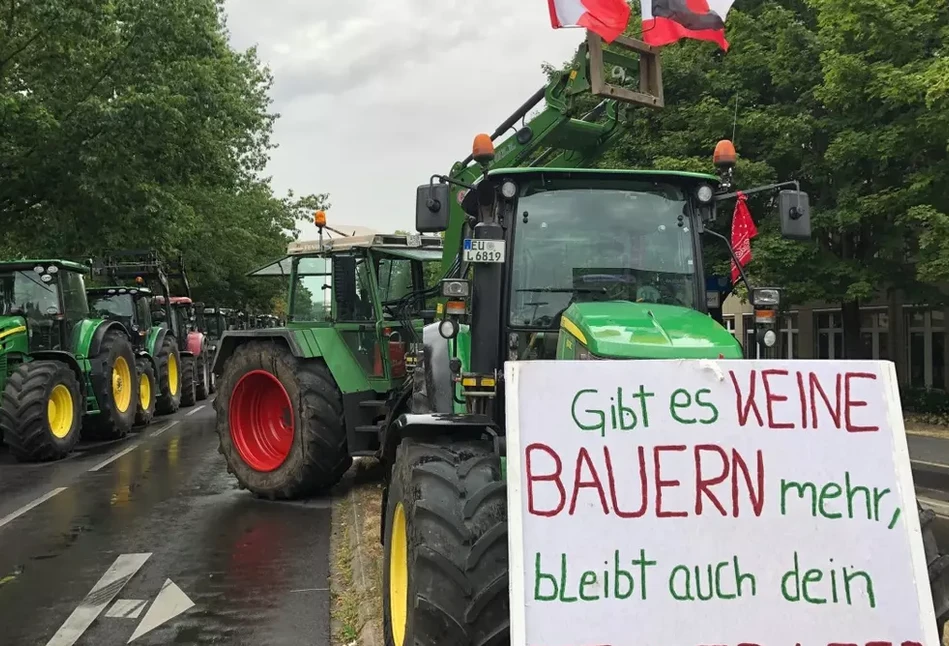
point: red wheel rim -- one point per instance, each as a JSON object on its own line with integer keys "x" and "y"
{"x": 261, "y": 419}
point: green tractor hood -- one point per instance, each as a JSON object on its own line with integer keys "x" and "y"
{"x": 625, "y": 330}
{"x": 10, "y": 326}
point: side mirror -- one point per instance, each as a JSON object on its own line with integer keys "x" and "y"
{"x": 431, "y": 208}
{"x": 795, "y": 208}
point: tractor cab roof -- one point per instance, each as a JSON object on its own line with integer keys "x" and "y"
{"x": 111, "y": 291}
{"x": 413, "y": 247}
{"x": 32, "y": 264}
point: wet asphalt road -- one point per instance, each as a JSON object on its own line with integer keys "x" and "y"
{"x": 166, "y": 517}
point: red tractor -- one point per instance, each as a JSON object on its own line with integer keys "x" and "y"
{"x": 195, "y": 354}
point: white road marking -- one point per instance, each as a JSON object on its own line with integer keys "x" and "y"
{"x": 127, "y": 608}
{"x": 193, "y": 411}
{"x": 170, "y": 602}
{"x": 164, "y": 428}
{"x": 930, "y": 464}
{"x": 115, "y": 457}
{"x": 28, "y": 506}
{"x": 102, "y": 593}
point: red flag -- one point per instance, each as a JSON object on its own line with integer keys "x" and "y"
{"x": 666, "y": 21}
{"x": 606, "y": 18}
{"x": 743, "y": 230}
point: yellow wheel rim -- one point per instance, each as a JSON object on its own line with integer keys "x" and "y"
{"x": 60, "y": 411}
{"x": 398, "y": 575}
{"x": 121, "y": 384}
{"x": 173, "y": 374}
{"x": 144, "y": 391}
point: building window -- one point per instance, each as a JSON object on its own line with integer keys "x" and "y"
{"x": 925, "y": 347}
{"x": 830, "y": 335}
{"x": 729, "y": 324}
{"x": 874, "y": 334}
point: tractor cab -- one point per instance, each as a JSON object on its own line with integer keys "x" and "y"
{"x": 43, "y": 299}
{"x": 215, "y": 322}
{"x": 370, "y": 288}
{"x": 183, "y": 319}
{"x": 131, "y": 306}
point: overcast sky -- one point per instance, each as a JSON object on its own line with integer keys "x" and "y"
{"x": 377, "y": 95}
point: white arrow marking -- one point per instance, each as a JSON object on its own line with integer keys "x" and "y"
{"x": 169, "y": 603}
{"x": 126, "y": 608}
{"x": 102, "y": 593}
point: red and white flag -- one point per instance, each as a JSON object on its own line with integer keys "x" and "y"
{"x": 606, "y": 18}
{"x": 666, "y": 21}
{"x": 743, "y": 230}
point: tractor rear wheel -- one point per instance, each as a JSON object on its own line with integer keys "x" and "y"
{"x": 445, "y": 567}
{"x": 115, "y": 384}
{"x": 147, "y": 392}
{"x": 188, "y": 385}
{"x": 169, "y": 377}
{"x": 280, "y": 422}
{"x": 41, "y": 411}
{"x": 202, "y": 380}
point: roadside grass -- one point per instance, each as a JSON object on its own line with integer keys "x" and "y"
{"x": 356, "y": 559}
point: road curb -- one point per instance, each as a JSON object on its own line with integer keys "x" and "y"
{"x": 369, "y": 633}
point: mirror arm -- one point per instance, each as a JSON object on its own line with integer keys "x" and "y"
{"x": 731, "y": 252}
{"x": 761, "y": 189}
{"x": 444, "y": 179}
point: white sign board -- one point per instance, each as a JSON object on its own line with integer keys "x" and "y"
{"x": 712, "y": 503}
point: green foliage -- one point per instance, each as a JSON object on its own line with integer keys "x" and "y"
{"x": 132, "y": 124}
{"x": 926, "y": 405}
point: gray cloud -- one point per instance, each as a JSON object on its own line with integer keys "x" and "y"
{"x": 376, "y": 96}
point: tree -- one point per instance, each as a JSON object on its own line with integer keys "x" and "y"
{"x": 133, "y": 124}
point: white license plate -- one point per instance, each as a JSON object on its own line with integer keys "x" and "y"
{"x": 483, "y": 251}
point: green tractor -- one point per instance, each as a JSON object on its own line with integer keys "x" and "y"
{"x": 295, "y": 404}
{"x": 62, "y": 372}
{"x": 214, "y": 323}
{"x": 136, "y": 306}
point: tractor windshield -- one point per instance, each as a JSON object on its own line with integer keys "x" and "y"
{"x": 214, "y": 325}
{"x": 115, "y": 307}
{"x": 616, "y": 240}
{"x": 24, "y": 293}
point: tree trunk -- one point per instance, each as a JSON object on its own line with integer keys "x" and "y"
{"x": 853, "y": 345}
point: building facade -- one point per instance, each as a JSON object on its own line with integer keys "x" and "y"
{"x": 912, "y": 336}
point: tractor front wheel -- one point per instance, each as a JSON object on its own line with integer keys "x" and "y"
{"x": 188, "y": 385}
{"x": 41, "y": 411}
{"x": 280, "y": 422}
{"x": 169, "y": 377}
{"x": 147, "y": 392}
{"x": 445, "y": 568}
{"x": 115, "y": 384}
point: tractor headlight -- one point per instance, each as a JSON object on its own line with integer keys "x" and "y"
{"x": 770, "y": 338}
{"x": 766, "y": 297}
{"x": 455, "y": 288}
{"x": 509, "y": 189}
{"x": 705, "y": 193}
{"x": 46, "y": 278}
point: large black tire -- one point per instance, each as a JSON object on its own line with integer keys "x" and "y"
{"x": 147, "y": 392}
{"x": 117, "y": 408}
{"x": 169, "y": 390}
{"x": 202, "y": 379}
{"x": 25, "y": 416}
{"x": 454, "y": 506}
{"x": 316, "y": 455}
{"x": 938, "y": 565}
{"x": 188, "y": 390}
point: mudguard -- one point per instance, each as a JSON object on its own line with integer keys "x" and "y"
{"x": 156, "y": 336}
{"x": 473, "y": 427}
{"x": 144, "y": 354}
{"x": 231, "y": 339}
{"x": 95, "y": 342}
{"x": 195, "y": 342}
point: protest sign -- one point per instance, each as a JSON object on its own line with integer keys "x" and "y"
{"x": 699, "y": 503}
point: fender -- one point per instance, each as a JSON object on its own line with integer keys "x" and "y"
{"x": 195, "y": 342}
{"x": 156, "y": 336}
{"x": 95, "y": 345}
{"x": 69, "y": 360}
{"x": 232, "y": 339}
